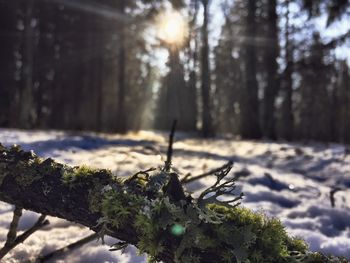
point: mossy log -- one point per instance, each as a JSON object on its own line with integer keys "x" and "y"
{"x": 151, "y": 212}
{"x": 41, "y": 186}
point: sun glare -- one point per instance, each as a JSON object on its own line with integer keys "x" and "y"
{"x": 172, "y": 28}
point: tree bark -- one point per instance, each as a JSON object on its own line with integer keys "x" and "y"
{"x": 207, "y": 125}
{"x": 26, "y": 99}
{"x": 8, "y": 87}
{"x": 121, "y": 120}
{"x": 271, "y": 55}
{"x": 38, "y": 186}
{"x": 287, "y": 118}
{"x": 250, "y": 124}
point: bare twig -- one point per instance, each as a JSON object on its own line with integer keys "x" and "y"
{"x": 67, "y": 249}
{"x": 188, "y": 179}
{"x": 20, "y": 239}
{"x": 212, "y": 194}
{"x": 167, "y": 166}
{"x": 332, "y": 192}
{"x": 12, "y": 234}
{"x": 145, "y": 173}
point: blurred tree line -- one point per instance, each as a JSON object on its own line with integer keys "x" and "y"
{"x": 89, "y": 65}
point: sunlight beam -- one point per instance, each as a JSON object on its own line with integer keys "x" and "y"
{"x": 92, "y": 8}
{"x": 172, "y": 28}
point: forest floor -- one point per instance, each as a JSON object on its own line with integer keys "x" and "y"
{"x": 289, "y": 181}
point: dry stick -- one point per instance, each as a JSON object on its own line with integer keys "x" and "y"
{"x": 170, "y": 147}
{"x": 67, "y": 249}
{"x": 332, "y": 192}
{"x": 12, "y": 234}
{"x": 188, "y": 179}
{"x": 20, "y": 239}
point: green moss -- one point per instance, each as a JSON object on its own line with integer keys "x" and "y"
{"x": 120, "y": 207}
{"x": 296, "y": 244}
{"x": 94, "y": 199}
{"x": 95, "y": 180}
{"x": 150, "y": 237}
{"x": 271, "y": 243}
{"x": 76, "y": 175}
{"x": 234, "y": 234}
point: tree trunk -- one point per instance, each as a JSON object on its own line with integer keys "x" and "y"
{"x": 173, "y": 102}
{"x": 121, "y": 118}
{"x": 207, "y": 125}
{"x": 7, "y": 62}
{"x": 272, "y": 74}
{"x": 193, "y": 61}
{"x": 26, "y": 99}
{"x": 250, "y": 127}
{"x": 287, "y": 118}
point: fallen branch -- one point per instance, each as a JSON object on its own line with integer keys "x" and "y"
{"x": 151, "y": 211}
{"x": 54, "y": 189}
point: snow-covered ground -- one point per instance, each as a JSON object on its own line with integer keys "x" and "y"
{"x": 289, "y": 181}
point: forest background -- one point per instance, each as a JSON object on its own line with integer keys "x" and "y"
{"x": 256, "y": 69}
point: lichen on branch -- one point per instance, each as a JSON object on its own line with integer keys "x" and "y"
{"x": 152, "y": 211}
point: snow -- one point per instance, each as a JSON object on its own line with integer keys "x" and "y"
{"x": 289, "y": 181}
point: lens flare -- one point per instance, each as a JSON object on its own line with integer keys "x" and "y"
{"x": 172, "y": 28}
{"x": 177, "y": 230}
